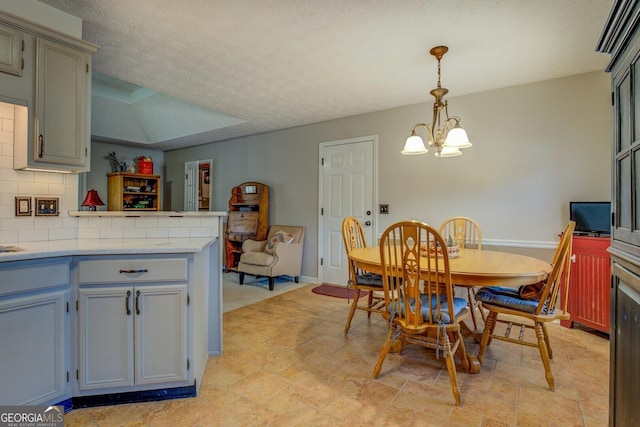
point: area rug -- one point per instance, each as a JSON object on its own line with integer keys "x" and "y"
{"x": 337, "y": 291}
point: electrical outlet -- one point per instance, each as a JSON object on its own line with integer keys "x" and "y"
{"x": 384, "y": 209}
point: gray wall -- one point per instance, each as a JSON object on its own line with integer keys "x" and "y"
{"x": 536, "y": 147}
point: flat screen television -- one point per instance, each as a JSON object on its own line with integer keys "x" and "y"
{"x": 591, "y": 217}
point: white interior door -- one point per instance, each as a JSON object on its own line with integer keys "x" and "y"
{"x": 347, "y": 188}
{"x": 191, "y": 186}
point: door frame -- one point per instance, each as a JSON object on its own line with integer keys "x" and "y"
{"x": 197, "y": 184}
{"x": 374, "y": 196}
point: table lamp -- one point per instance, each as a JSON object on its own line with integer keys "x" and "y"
{"x": 92, "y": 199}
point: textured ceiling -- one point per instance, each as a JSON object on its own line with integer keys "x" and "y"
{"x": 268, "y": 65}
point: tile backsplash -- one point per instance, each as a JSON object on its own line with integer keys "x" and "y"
{"x": 15, "y": 229}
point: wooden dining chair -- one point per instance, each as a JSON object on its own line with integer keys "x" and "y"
{"x": 466, "y": 233}
{"x": 419, "y": 302}
{"x": 360, "y": 280}
{"x": 530, "y": 307}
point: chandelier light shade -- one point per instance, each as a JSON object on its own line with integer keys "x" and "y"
{"x": 445, "y": 133}
{"x": 92, "y": 199}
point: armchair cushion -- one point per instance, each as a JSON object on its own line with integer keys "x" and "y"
{"x": 250, "y": 245}
{"x": 260, "y": 258}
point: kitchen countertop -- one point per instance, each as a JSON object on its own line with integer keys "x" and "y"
{"x": 56, "y": 248}
{"x": 134, "y": 213}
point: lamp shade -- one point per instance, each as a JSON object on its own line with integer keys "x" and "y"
{"x": 457, "y": 137}
{"x": 92, "y": 199}
{"x": 414, "y": 146}
{"x": 448, "y": 152}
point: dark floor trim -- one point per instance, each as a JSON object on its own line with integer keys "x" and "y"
{"x": 133, "y": 397}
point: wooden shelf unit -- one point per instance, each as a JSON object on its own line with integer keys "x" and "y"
{"x": 133, "y": 192}
{"x": 248, "y": 219}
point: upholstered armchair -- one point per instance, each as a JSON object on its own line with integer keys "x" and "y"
{"x": 279, "y": 255}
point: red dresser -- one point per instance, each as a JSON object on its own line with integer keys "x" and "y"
{"x": 589, "y": 292}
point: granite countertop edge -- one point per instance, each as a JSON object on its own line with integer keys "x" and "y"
{"x": 80, "y": 247}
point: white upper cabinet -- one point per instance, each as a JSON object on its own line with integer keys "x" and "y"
{"x": 11, "y": 47}
{"x": 61, "y": 105}
{"x": 54, "y": 132}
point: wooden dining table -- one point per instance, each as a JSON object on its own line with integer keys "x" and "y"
{"x": 473, "y": 267}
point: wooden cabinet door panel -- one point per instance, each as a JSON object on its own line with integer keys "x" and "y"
{"x": 161, "y": 333}
{"x": 105, "y": 321}
{"x": 33, "y": 355}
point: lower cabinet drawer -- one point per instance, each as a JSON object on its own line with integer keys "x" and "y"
{"x": 138, "y": 270}
{"x": 23, "y": 276}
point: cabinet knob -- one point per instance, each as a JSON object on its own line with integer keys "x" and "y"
{"x": 573, "y": 258}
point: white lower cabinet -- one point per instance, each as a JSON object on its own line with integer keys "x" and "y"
{"x": 34, "y": 329}
{"x": 131, "y": 336}
{"x": 133, "y": 323}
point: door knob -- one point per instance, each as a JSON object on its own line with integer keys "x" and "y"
{"x": 367, "y": 223}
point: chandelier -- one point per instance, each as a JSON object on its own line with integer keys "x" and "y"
{"x": 445, "y": 135}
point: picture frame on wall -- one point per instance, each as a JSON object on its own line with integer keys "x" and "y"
{"x": 23, "y": 206}
{"x": 47, "y": 206}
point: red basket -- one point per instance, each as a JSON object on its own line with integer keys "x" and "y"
{"x": 145, "y": 167}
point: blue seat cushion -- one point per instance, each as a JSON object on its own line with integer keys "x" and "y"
{"x": 506, "y": 297}
{"x": 459, "y": 304}
{"x": 369, "y": 279}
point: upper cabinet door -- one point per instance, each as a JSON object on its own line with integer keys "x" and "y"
{"x": 61, "y": 104}
{"x": 11, "y": 47}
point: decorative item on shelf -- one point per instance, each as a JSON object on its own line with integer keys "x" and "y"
{"x": 445, "y": 135}
{"x": 116, "y": 165}
{"x": 92, "y": 199}
{"x": 47, "y": 206}
{"x": 145, "y": 165}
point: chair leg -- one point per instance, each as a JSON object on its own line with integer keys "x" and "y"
{"x": 451, "y": 368}
{"x": 546, "y": 340}
{"x": 370, "y": 303}
{"x": 483, "y": 314}
{"x": 241, "y": 278}
{"x": 461, "y": 351}
{"x": 383, "y": 354}
{"x": 472, "y": 308}
{"x": 486, "y": 334}
{"x": 352, "y": 310}
{"x": 271, "y": 282}
{"x": 544, "y": 354}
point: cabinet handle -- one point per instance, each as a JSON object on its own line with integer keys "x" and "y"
{"x": 22, "y": 63}
{"x": 127, "y": 303}
{"x": 41, "y": 146}
{"x": 134, "y": 271}
{"x": 138, "y": 303}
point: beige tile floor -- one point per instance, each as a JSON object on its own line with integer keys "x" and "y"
{"x": 287, "y": 362}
